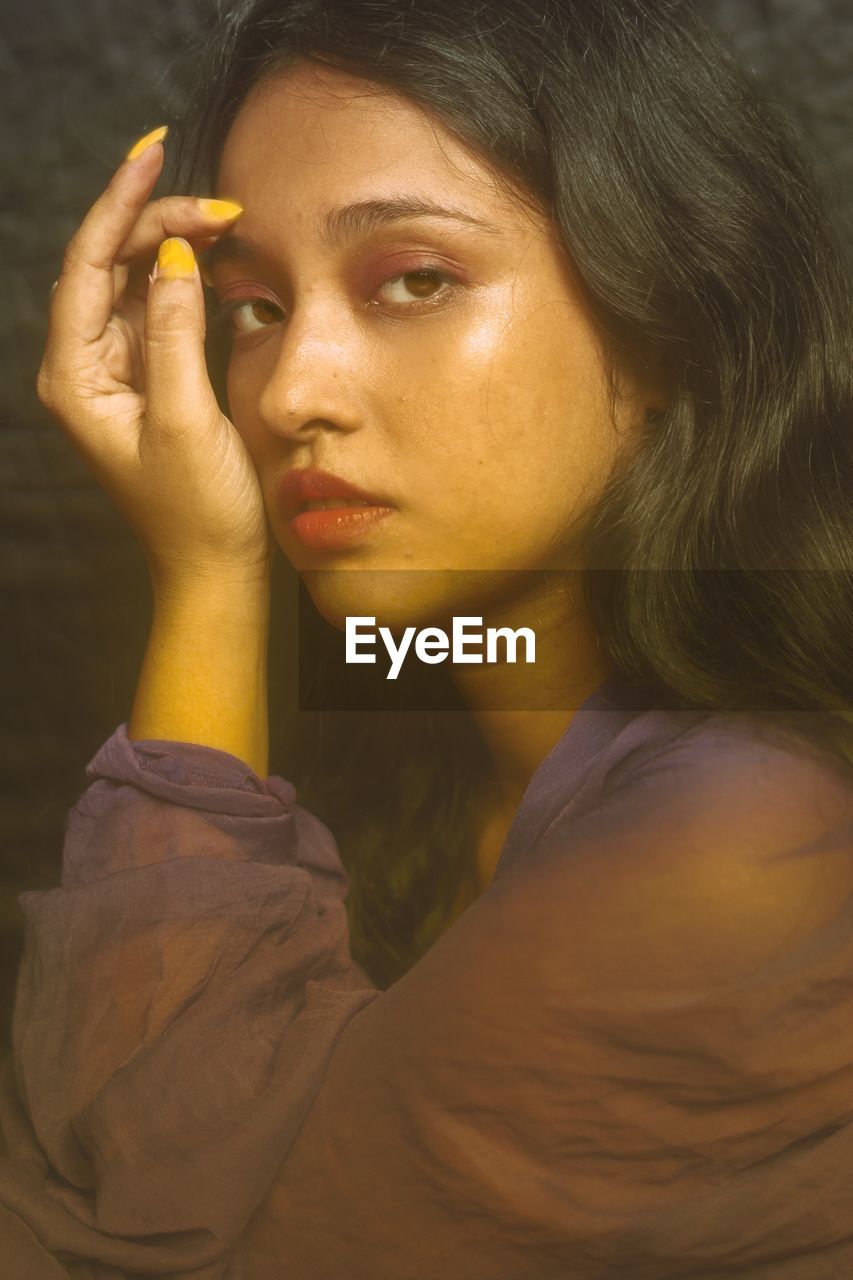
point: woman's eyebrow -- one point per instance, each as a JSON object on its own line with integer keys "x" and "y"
{"x": 346, "y": 222}
{"x": 350, "y": 220}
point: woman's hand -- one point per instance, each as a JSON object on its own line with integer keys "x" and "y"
{"x": 124, "y": 373}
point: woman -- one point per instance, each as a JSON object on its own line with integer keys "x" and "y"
{"x": 547, "y": 292}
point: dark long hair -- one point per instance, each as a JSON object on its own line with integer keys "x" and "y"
{"x": 718, "y": 559}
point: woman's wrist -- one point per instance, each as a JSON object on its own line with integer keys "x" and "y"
{"x": 204, "y": 676}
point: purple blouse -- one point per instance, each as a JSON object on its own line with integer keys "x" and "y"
{"x": 631, "y": 1056}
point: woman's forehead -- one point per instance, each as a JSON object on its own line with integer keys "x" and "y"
{"x": 329, "y": 131}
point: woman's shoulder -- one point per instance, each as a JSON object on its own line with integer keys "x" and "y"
{"x": 675, "y": 753}
{"x": 634, "y": 768}
{"x": 741, "y": 796}
{"x": 707, "y": 845}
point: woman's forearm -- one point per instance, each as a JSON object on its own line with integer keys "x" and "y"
{"x": 204, "y": 676}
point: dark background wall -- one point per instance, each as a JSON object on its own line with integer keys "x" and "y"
{"x": 80, "y": 80}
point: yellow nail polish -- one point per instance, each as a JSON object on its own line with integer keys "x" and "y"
{"x": 175, "y": 260}
{"x": 220, "y": 208}
{"x": 156, "y": 135}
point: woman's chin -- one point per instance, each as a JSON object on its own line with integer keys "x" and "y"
{"x": 421, "y": 598}
{"x": 396, "y": 598}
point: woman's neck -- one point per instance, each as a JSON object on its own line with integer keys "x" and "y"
{"x": 522, "y": 710}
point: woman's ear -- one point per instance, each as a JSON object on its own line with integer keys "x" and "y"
{"x": 644, "y": 384}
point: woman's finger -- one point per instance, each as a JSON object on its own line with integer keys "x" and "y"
{"x": 189, "y": 217}
{"x": 178, "y": 393}
{"x": 120, "y": 281}
{"x": 82, "y": 302}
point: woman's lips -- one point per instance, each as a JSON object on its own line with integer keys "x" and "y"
{"x": 335, "y": 527}
{"x": 339, "y": 512}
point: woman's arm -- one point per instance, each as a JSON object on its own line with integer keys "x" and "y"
{"x": 632, "y": 1056}
{"x": 204, "y": 677}
{"x": 197, "y": 946}
{"x": 632, "y": 1051}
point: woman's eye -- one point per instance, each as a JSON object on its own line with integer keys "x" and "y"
{"x": 250, "y": 315}
{"x": 415, "y": 286}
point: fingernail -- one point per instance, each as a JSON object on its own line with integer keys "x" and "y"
{"x": 175, "y": 260}
{"x": 156, "y": 135}
{"x": 220, "y": 208}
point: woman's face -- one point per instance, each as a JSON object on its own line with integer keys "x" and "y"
{"x": 442, "y": 361}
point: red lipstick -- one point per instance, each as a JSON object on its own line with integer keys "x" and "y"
{"x": 325, "y": 529}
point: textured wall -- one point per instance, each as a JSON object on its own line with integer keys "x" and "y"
{"x": 80, "y": 81}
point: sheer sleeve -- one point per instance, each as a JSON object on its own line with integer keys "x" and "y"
{"x": 178, "y": 999}
{"x": 632, "y": 1054}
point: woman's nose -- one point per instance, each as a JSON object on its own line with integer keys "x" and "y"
{"x": 313, "y": 382}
